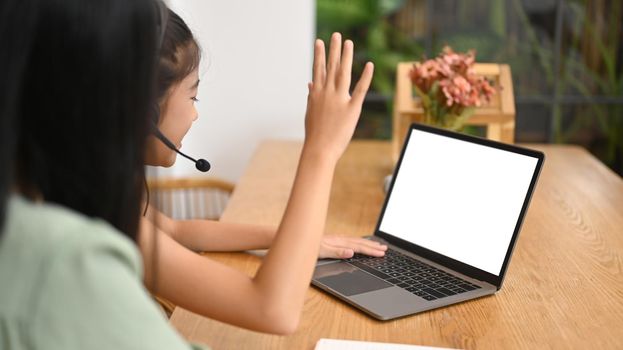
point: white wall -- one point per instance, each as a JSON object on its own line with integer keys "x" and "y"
{"x": 257, "y": 59}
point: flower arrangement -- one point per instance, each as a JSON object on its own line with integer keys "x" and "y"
{"x": 449, "y": 89}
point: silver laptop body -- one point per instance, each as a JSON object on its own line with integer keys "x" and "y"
{"x": 455, "y": 205}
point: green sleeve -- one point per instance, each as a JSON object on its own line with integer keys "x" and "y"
{"x": 93, "y": 299}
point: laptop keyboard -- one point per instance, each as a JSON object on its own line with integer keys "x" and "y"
{"x": 413, "y": 275}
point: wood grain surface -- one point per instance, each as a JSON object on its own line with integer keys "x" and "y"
{"x": 563, "y": 289}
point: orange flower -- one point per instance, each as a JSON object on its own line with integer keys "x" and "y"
{"x": 453, "y": 73}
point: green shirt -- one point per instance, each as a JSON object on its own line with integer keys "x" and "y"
{"x": 71, "y": 282}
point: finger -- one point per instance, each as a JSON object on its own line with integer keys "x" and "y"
{"x": 310, "y": 87}
{"x": 334, "y": 57}
{"x": 361, "y": 89}
{"x": 350, "y": 241}
{"x": 367, "y": 250}
{"x": 359, "y": 245}
{"x": 335, "y": 252}
{"x": 346, "y": 66}
{"x": 373, "y": 244}
{"x": 364, "y": 246}
{"x": 320, "y": 70}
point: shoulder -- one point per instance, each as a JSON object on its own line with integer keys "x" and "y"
{"x": 88, "y": 293}
{"x": 40, "y": 241}
{"x": 54, "y": 233}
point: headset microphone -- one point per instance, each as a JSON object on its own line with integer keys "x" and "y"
{"x": 162, "y": 18}
{"x": 200, "y": 164}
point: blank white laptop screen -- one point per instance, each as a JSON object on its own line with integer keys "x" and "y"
{"x": 458, "y": 199}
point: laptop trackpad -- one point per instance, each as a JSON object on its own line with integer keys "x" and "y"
{"x": 347, "y": 279}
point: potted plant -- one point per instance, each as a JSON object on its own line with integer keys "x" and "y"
{"x": 448, "y": 88}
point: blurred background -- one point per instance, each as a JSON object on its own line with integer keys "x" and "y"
{"x": 565, "y": 56}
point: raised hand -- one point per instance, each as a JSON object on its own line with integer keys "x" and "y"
{"x": 332, "y": 113}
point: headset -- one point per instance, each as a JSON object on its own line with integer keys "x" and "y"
{"x": 161, "y": 25}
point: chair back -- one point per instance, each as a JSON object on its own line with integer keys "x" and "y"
{"x": 190, "y": 198}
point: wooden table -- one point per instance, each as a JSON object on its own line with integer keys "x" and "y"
{"x": 563, "y": 289}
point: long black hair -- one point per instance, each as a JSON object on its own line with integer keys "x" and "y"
{"x": 13, "y": 53}
{"x": 83, "y": 105}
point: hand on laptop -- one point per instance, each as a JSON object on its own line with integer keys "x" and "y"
{"x": 342, "y": 247}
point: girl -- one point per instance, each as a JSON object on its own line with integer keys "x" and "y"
{"x": 184, "y": 277}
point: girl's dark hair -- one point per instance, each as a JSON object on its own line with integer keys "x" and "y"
{"x": 13, "y": 52}
{"x": 180, "y": 54}
{"x": 83, "y": 104}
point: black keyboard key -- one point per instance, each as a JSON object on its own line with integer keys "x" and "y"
{"x": 467, "y": 286}
{"x": 428, "y": 297}
{"x": 445, "y": 291}
{"x": 434, "y": 292}
{"x": 403, "y": 285}
{"x": 403, "y": 270}
{"x": 370, "y": 270}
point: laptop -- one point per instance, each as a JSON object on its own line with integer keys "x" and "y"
{"x": 451, "y": 219}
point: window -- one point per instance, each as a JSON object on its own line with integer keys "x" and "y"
{"x": 565, "y": 55}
